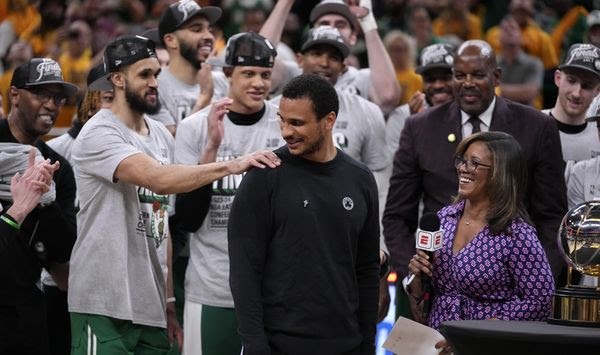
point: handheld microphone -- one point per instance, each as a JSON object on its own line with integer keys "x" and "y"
{"x": 429, "y": 239}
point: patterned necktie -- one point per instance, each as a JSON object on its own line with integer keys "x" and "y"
{"x": 475, "y": 122}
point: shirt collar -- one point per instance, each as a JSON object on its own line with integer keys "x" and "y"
{"x": 485, "y": 116}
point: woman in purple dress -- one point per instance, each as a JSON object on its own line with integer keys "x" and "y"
{"x": 491, "y": 265}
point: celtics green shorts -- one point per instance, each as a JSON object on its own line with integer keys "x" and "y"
{"x": 100, "y": 335}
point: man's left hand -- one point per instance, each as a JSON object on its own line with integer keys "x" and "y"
{"x": 174, "y": 330}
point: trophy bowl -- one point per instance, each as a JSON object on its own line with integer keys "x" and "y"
{"x": 579, "y": 238}
{"x": 579, "y": 244}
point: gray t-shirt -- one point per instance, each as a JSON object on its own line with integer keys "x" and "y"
{"x": 393, "y": 128}
{"x": 63, "y": 145}
{"x": 178, "y": 98}
{"x": 355, "y": 81}
{"x": 584, "y": 182}
{"x": 359, "y": 130}
{"x": 116, "y": 270}
{"x": 207, "y": 275}
{"x": 579, "y": 146}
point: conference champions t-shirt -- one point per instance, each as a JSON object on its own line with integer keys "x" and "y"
{"x": 207, "y": 275}
{"x": 118, "y": 264}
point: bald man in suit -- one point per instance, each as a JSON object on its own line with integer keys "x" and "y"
{"x": 423, "y": 164}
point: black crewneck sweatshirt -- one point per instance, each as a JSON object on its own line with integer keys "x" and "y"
{"x": 304, "y": 257}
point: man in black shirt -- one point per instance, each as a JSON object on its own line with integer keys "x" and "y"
{"x": 37, "y": 92}
{"x": 304, "y": 239}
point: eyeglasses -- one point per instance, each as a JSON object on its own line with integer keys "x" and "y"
{"x": 45, "y": 96}
{"x": 470, "y": 165}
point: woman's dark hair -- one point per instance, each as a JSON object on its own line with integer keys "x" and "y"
{"x": 508, "y": 178}
{"x": 319, "y": 91}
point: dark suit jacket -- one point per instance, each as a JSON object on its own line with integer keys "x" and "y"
{"x": 423, "y": 166}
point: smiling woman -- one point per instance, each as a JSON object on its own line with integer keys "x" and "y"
{"x": 490, "y": 250}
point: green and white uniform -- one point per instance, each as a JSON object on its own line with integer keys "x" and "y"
{"x": 207, "y": 276}
{"x": 118, "y": 264}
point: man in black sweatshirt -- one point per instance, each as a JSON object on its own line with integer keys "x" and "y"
{"x": 304, "y": 239}
{"x": 37, "y": 92}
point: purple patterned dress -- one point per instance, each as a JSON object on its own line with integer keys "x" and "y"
{"x": 504, "y": 276}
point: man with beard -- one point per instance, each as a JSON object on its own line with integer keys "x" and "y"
{"x": 423, "y": 165}
{"x": 578, "y": 82}
{"x": 378, "y": 82}
{"x": 187, "y": 84}
{"x": 37, "y": 92}
{"x": 117, "y": 288}
{"x": 247, "y": 123}
{"x": 304, "y": 241}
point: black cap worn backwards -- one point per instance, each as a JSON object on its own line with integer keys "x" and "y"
{"x": 40, "y": 71}
{"x": 122, "y": 51}
{"x": 583, "y": 56}
{"x": 326, "y": 35}
{"x": 247, "y": 49}
{"x": 436, "y": 56}
{"x": 181, "y": 11}
{"x": 94, "y": 77}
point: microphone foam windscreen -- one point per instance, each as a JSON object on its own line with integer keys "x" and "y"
{"x": 429, "y": 222}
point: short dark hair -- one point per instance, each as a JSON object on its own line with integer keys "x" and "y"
{"x": 319, "y": 91}
{"x": 508, "y": 179}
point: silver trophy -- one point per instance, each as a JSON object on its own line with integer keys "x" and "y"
{"x": 579, "y": 244}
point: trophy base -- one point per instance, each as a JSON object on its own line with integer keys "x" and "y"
{"x": 576, "y": 306}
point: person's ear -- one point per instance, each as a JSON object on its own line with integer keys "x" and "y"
{"x": 497, "y": 74}
{"x": 330, "y": 120}
{"x": 171, "y": 41}
{"x": 557, "y": 75}
{"x": 14, "y": 96}
{"x": 118, "y": 79}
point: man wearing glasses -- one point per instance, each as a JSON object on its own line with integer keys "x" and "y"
{"x": 37, "y": 93}
{"x": 424, "y": 163}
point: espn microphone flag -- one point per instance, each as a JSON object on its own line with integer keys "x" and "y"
{"x": 429, "y": 234}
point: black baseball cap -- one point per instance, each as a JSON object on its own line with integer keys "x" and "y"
{"x": 181, "y": 11}
{"x": 123, "y": 51}
{"x": 332, "y": 7}
{"x": 40, "y": 71}
{"x": 94, "y": 77}
{"x": 152, "y": 34}
{"x": 434, "y": 56}
{"x": 326, "y": 35}
{"x": 247, "y": 49}
{"x": 583, "y": 56}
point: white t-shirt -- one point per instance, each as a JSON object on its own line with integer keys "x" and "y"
{"x": 116, "y": 268}
{"x": 207, "y": 275}
{"x": 178, "y": 98}
{"x": 579, "y": 146}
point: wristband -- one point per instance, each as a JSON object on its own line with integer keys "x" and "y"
{"x": 10, "y": 222}
{"x": 170, "y": 299}
{"x": 367, "y": 22}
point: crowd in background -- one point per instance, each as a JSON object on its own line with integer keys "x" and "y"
{"x": 75, "y": 33}
{"x": 544, "y": 50}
